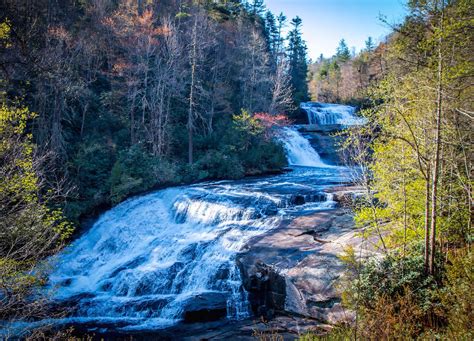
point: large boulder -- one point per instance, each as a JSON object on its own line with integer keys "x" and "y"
{"x": 266, "y": 288}
{"x": 209, "y": 306}
{"x": 294, "y": 268}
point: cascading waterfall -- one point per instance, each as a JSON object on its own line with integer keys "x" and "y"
{"x": 148, "y": 261}
{"x": 299, "y": 150}
{"x": 331, "y": 114}
{"x": 145, "y": 260}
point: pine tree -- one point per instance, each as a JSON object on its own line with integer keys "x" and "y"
{"x": 256, "y": 8}
{"x": 342, "y": 52}
{"x": 298, "y": 62}
{"x": 271, "y": 33}
{"x": 369, "y": 44}
{"x": 280, "y": 43}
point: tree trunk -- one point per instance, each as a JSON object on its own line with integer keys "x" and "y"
{"x": 437, "y": 161}
{"x": 427, "y": 219}
{"x": 191, "y": 93}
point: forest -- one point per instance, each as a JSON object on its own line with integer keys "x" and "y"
{"x": 103, "y": 100}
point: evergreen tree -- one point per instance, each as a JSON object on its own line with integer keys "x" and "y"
{"x": 342, "y": 52}
{"x": 298, "y": 62}
{"x": 369, "y": 44}
{"x": 280, "y": 43}
{"x": 271, "y": 33}
{"x": 256, "y": 7}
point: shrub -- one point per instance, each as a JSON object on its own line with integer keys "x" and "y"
{"x": 136, "y": 171}
{"x": 219, "y": 165}
{"x": 394, "y": 299}
{"x": 457, "y": 296}
{"x": 92, "y": 166}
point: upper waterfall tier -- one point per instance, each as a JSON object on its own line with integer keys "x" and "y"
{"x": 331, "y": 114}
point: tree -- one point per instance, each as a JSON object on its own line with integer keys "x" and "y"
{"x": 298, "y": 65}
{"x": 118, "y": 80}
{"x": 31, "y": 228}
{"x": 369, "y": 44}
{"x": 280, "y": 44}
{"x": 255, "y": 71}
{"x": 420, "y": 168}
{"x": 272, "y": 35}
{"x": 281, "y": 90}
{"x": 257, "y": 7}
{"x": 342, "y": 52}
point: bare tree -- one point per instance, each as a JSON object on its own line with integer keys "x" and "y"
{"x": 281, "y": 90}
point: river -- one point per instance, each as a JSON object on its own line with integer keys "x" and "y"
{"x": 152, "y": 261}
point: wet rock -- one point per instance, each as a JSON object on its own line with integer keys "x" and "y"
{"x": 206, "y": 307}
{"x": 345, "y": 196}
{"x": 266, "y": 288}
{"x": 298, "y": 200}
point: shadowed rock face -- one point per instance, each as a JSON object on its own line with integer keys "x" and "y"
{"x": 328, "y": 145}
{"x": 266, "y": 287}
{"x": 206, "y": 307}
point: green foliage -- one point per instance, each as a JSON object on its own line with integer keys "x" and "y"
{"x": 394, "y": 297}
{"x": 31, "y": 227}
{"x": 391, "y": 277}
{"x": 220, "y": 165}
{"x": 427, "y": 71}
{"x": 369, "y": 44}
{"x": 234, "y": 149}
{"x": 4, "y": 32}
{"x": 247, "y": 125}
{"x": 340, "y": 332}
{"x": 92, "y": 168}
{"x": 457, "y": 296}
{"x": 395, "y": 300}
{"x": 342, "y": 52}
{"x": 23, "y": 200}
{"x": 136, "y": 171}
{"x": 257, "y": 153}
{"x": 298, "y": 62}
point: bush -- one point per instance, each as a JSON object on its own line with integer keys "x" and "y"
{"x": 457, "y": 296}
{"x": 263, "y": 157}
{"x": 392, "y": 277}
{"x": 91, "y": 169}
{"x": 394, "y": 299}
{"x": 136, "y": 171}
{"x": 218, "y": 165}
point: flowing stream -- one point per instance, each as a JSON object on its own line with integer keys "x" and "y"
{"x": 151, "y": 259}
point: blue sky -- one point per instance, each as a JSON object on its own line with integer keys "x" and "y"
{"x": 326, "y": 22}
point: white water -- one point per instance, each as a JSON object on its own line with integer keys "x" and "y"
{"x": 146, "y": 260}
{"x": 299, "y": 150}
{"x": 329, "y": 114}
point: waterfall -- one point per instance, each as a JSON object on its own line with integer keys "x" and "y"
{"x": 331, "y": 114}
{"x": 299, "y": 150}
{"x": 146, "y": 263}
{"x": 148, "y": 258}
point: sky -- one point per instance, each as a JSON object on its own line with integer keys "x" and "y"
{"x": 326, "y": 22}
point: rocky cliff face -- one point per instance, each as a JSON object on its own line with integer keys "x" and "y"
{"x": 294, "y": 269}
{"x": 325, "y": 140}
